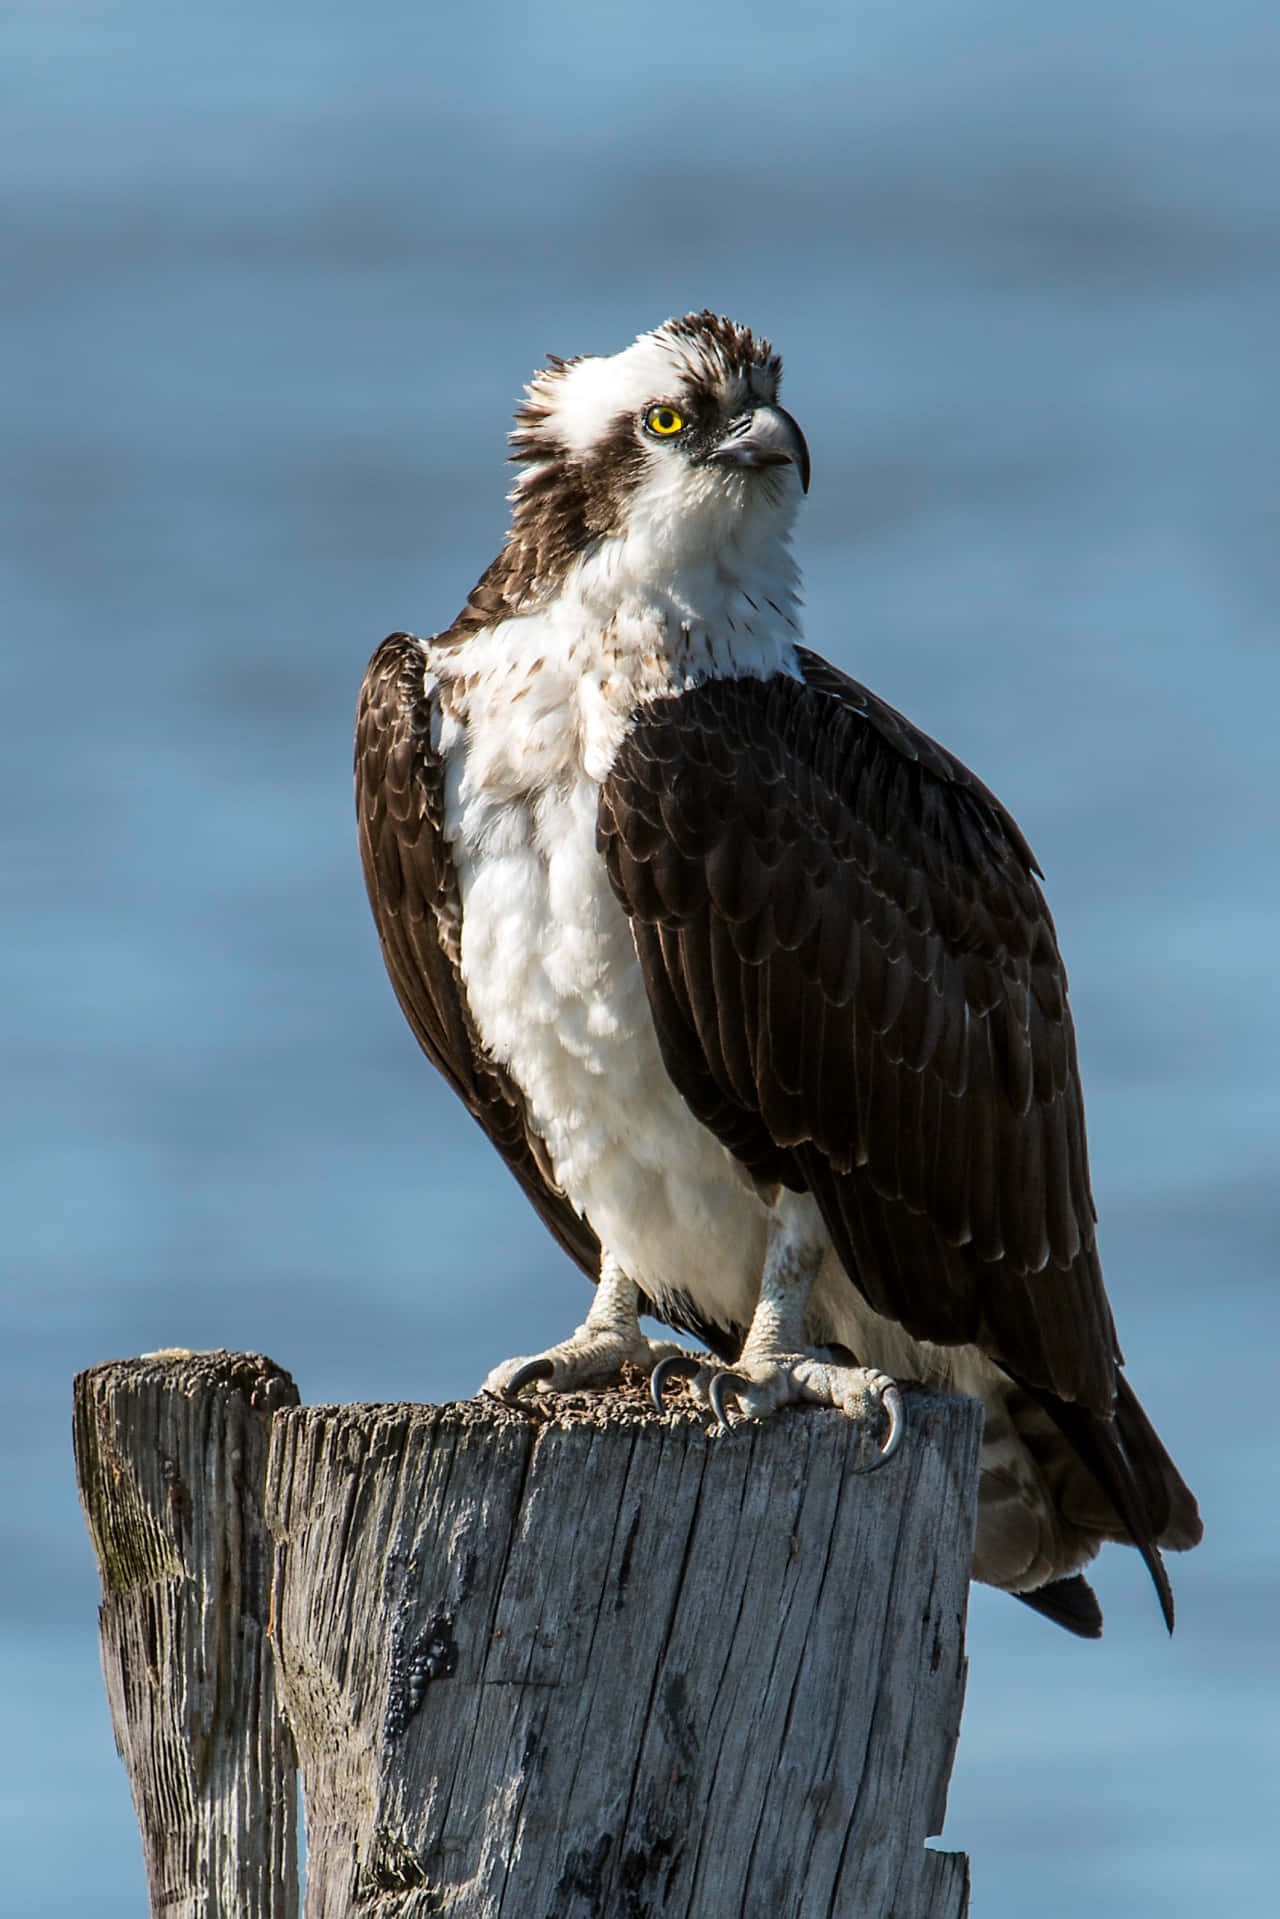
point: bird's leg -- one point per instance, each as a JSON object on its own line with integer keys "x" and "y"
{"x": 775, "y": 1367}
{"x": 608, "y": 1339}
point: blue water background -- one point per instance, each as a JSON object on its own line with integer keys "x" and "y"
{"x": 272, "y": 278}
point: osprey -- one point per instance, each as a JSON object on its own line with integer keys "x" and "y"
{"x": 750, "y": 982}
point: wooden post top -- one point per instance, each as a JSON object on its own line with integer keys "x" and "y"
{"x": 573, "y": 1660}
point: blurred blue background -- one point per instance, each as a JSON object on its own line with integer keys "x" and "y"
{"x": 274, "y": 275}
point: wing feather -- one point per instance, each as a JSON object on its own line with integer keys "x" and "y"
{"x": 727, "y": 986}
{"x": 867, "y": 974}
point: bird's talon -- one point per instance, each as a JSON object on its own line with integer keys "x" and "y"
{"x": 533, "y": 1369}
{"x": 674, "y": 1366}
{"x": 891, "y": 1400}
{"x": 897, "y": 1423}
{"x": 724, "y": 1383}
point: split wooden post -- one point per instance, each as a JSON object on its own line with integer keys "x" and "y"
{"x": 171, "y": 1455}
{"x": 590, "y": 1662}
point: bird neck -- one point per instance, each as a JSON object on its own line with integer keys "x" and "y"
{"x": 728, "y": 609}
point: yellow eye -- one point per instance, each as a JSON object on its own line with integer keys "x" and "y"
{"x": 664, "y": 421}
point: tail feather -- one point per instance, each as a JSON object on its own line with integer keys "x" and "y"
{"x": 1170, "y": 1501}
{"x": 1071, "y": 1603}
{"x": 1137, "y": 1486}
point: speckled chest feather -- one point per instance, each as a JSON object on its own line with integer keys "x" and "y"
{"x": 532, "y": 713}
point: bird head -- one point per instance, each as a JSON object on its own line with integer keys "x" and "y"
{"x": 674, "y": 449}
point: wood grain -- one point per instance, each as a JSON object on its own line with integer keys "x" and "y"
{"x": 601, "y": 1665}
{"x": 171, "y": 1455}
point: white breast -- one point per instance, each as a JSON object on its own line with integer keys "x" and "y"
{"x": 530, "y": 729}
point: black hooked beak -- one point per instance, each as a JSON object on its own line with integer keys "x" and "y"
{"x": 766, "y": 437}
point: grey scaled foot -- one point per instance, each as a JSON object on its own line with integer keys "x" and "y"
{"x": 778, "y": 1367}
{"x": 608, "y": 1339}
{"x": 762, "y": 1382}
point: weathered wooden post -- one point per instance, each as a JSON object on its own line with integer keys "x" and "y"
{"x": 590, "y": 1662}
{"x": 171, "y": 1455}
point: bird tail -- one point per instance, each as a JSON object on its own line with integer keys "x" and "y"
{"x": 1153, "y": 1504}
{"x": 1165, "y": 1493}
{"x": 1068, "y": 1602}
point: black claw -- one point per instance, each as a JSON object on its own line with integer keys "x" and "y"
{"x": 892, "y": 1402}
{"x": 674, "y": 1366}
{"x": 532, "y": 1370}
{"x": 725, "y": 1383}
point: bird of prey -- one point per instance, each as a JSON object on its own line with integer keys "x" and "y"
{"x": 750, "y": 982}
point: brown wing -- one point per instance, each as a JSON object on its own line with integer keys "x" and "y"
{"x": 413, "y": 892}
{"x": 857, "y": 987}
